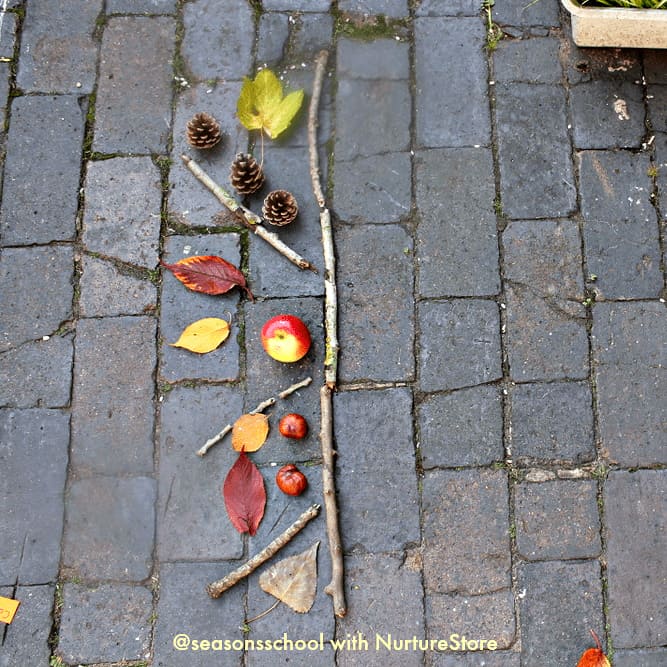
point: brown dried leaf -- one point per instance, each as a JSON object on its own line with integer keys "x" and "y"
{"x": 293, "y": 580}
{"x": 249, "y": 432}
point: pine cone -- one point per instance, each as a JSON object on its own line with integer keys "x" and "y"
{"x": 280, "y": 207}
{"x": 203, "y": 131}
{"x": 246, "y": 174}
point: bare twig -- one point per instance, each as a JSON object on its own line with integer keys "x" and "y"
{"x": 331, "y": 298}
{"x": 336, "y": 588}
{"x": 260, "y": 408}
{"x": 217, "y": 588}
{"x": 251, "y": 220}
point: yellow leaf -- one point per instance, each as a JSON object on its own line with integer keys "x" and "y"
{"x": 249, "y": 432}
{"x": 283, "y": 113}
{"x": 203, "y": 335}
{"x": 268, "y": 92}
{"x": 245, "y": 106}
{"x": 261, "y": 105}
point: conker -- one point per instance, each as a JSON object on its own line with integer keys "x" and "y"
{"x": 293, "y": 426}
{"x": 291, "y": 480}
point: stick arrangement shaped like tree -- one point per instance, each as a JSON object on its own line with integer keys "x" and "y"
{"x": 262, "y": 106}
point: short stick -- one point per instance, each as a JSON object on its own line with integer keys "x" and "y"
{"x": 249, "y": 219}
{"x": 217, "y": 588}
{"x": 260, "y": 408}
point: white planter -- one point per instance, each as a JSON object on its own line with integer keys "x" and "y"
{"x": 618, "y": 27}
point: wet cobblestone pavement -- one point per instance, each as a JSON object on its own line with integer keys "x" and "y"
{"x": 501, "y": 413}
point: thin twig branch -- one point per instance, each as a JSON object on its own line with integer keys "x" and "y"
{"x": 260, "y": 408}
{"x": 331, "y": 299}
{"x": 217, "y": 588}
{"x": 336, "y": 588}
{"x": 249, "y": 219}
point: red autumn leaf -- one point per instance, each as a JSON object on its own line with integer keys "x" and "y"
{"x": 594, "y": 657}
{"x": 244, "y": 494}
{"x": 208, "y": 274}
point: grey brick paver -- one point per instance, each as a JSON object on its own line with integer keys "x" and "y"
{"x": 26, "y": 639}
{"x": 459, "y": 343}
{"x": 44, "y": 209}
{"x": 384, "y": 597}
{"x": 528, "y": 60}
{"x": 457, "y": 244}
{"x": 181, "y": 307}
{"x": 635, "y": 516}
{"x": 184, "y": 608}
{"x": 370, "y": 189}
{"x": 192, "y": 522}
{"x": 474, "y": 503}
{"x": 385, "y": 435}
{"x": 122, "y": 212}
{"x": 107, "y": 291}
{"x": 32, "y": 519}
{"x": 112, "y": 404}
{"x": 379, "y": 59}
{"x": 379, "y": 306}
{"x": 557, "y": 520}
{"x": 607, "y": 114}
{"x": 545, "y": 256}
{"x": 103, "y": 637}
{"x": 135, "y": 85}
{"x": 7, "y": 36}
{"x": 645, "y": 658}
{"x": 547, "y": 339}
{"x": 518, "y": 13}
{"x": 482, "y": 659}
{"x": 141, "y": 6}
{"x": 555, "y": 634}
{"x": 461, "y": 428}
{"x": 41, "y": 298}
{"x": 371, "y": 117}
{"x": 45, "y": 372}
{"x": 215, "y": 45}
{"x": 534, "y": 151}
{"x": 489, "y": 617}
{"x": 458, "y": 114}
{"x": 447, "y": 8}
{"x": 393, "y": 8}
{"x": 58, "y": 53}
{"x": 630, "y": 353}
{"x": 109, "y": 528}
{"x": 620, "y": 230}
{"x": 552, "y": 421}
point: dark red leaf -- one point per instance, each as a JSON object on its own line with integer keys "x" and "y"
{"x": 245, "y": 496}
{"x": 208, "y": 274}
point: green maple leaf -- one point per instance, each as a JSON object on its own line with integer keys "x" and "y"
{"x": 261, "y": 105}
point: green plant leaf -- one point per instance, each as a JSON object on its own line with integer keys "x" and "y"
{"x": 261, "y": 105}
{"x": 284, "y": 113}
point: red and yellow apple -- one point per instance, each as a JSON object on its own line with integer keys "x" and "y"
{"x": 285, "y": 338}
